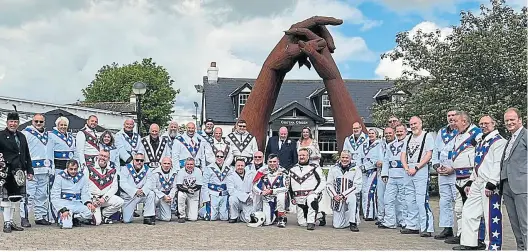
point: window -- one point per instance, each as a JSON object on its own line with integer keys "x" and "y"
{"x": 326, "y": 109}
{"x": 398, "y": 98}
{"x": 327, "y": 141}
{"x": 242, "y": 99}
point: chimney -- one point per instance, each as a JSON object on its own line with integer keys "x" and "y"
{"x": 133, "y": 98}
{"x": 212, "y": 74}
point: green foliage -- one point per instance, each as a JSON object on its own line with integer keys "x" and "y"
{"x": 113, "y": 83}
{"x": 480, "y": 68}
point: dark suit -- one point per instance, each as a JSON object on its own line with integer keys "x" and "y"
{"x": 287, "y": 153}
{"x": 16, "y": 158}
{"x": 513, "y": 187}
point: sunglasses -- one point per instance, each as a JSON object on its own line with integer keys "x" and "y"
{"x": 139, "y": 160}
{"x": 258, "y": 156}
{"x": 242, "y": 126}
{"x": 38, "y": 121}
{"x": 220, "y": 156}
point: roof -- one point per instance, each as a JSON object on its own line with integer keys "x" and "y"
{"x": 122, "y": 107}
{"x": 219, "y": 105}
{"x": 295, "y": 105}
{"x": 66, "y": 106}
{"x": 75, "y": 122}
{"x": 24, "y": 117}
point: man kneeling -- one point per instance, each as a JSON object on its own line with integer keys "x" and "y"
{"x": 163, "y": 183}
{"x": 240, "y": 186}
{"x": 103, "y": 187}
{"x": 189, "y": 182}
{"x": 133, "y": 179}
{"x": 70, "y": 195}
{"x": 343, "y": 183}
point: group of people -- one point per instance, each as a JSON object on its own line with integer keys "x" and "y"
{"x": 99, "y": 178}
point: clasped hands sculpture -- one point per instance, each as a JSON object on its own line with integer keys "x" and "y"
{"x": 308, "y": 43}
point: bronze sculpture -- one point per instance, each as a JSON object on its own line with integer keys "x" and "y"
{"x": 307, "y": 43}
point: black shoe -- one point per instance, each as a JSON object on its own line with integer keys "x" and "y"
{"x": 462, "y": 247}
{"x": 369, "y": 219}
{"x": 149, "y": 221}
{"x": 281, "y": 222}
{"x": 481, "y": 245}
{"x": 446, "y": 233}
{"x": 181, "y": 220}
{"x": 107, "y": 220}
{"x": 425, "y": 234}
{"x": 24, "y": 222}
{"x": 76, "y": 222}
{"x": 40, "y": 222}
{"x": 310, "y": 226}
{"x": 7, "y": 227}
{"x": 322, "y": 219}
{"x": 384, "y": 227}
{"x": 353, "y": 227}
{"x": 136, "y": 214}
{"x": 232, "y": 220}
{"x": 377, "y": 223}
{"x": 409, "y": 231}
{"x": 14, "y": 227}
{"x": 453, "y": 240}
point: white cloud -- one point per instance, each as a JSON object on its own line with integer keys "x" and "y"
{"x": 427, "y": 7}
{"x": 394, "y": 69}
{"x": 57, "y": 47}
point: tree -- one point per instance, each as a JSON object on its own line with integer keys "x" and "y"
{"x": 113, "y": 83}
{"x": 479, "y": 68}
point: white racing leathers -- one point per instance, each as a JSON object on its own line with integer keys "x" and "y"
{"x": 215, "y": 193}
{"x": 242, "y": 146}
{"x": 372, "y": 153}
{"x": 131, "y": 180}
{"x": 87, "y": 147}
{"x": 71, "y": 194}
{"x": 189, "y": 186}
{"x": 486, "y": 175}
{"x": 446, "y": 183}
{"x": 163, "y": 184}
{"x": 184, "y": 147}
{"x": 273, "y": 205}
{"x": 462, "y": 158}
{"x": 240, "y": 195}
{"x": 395, "y": 206}
{"x": 307, "y": 182}
{"x": 355, "y": 146}
{"x": 345, "y": 181}
{"x": 103, "y": 185}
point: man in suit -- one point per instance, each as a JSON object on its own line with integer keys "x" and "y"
{"x": 513, "y": 176}
{"x": 285, "y": 148}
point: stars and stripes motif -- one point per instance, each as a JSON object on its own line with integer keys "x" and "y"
{"x": 221, "y": 175}
{"x": 367, "y": 148}
{"x": 75, "y": 178}
{"x": 208, "y": 138}
{"x": 90, "y": 138}
{"x": 341, "y": 185}
{"x": 154, "y": 156}
{"x": 43, "y": 138}
{"x": 189, "y": 182}
{"x": 462, "y": 173}
{"x": 482, "y": 150}
{"x": 192, "y": 150}
{"x": 372, "y": 192}
{"x": 67, "y": 138}
{"x": 264, "y": 183}
{"x": 241, "y": 146}
{"x": 137, "y": 176}
{"x": 466, "y": 143}
{"x": 225, "y": 150}
{"x": 107, "y": 147}
{"x": 495, "y": 222}
{"x": 395, "y": 150}
{"x": 448, "y": 136}
{"x": 166, "y": 185}
{"x": 301, "y": 179}
{"x": 133, "y": 141}
{"x": 355, "y": 145}
{"x": 71, "y": 196}
{"x": 100, "y": 180}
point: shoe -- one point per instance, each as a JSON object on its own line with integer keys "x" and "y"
{"x": 481, "y": 245}
{"x": 384, "y": 227}
{"x": 39, "y": 222}
{"x": 322, "y": 219}
{"x": 310, "y": 226}
{"x": 446, "y": 233}
{"x": 425, "y": 234}
{"x": 377, "y": 223}
{"x": 369, "y": 219}
{"x": 181, "y": 220}
{"x": 106, "y": 220}
{"x": 453, "y": 240}
{"x": 24, "y": 222}
{"x": 462, "y": 247}
{"x": 14, "y": 227}
{"x": 149, "y": 221}
{"x": 353, "y": 227}
{"x": 232, "y": 220}
{"x": 7, "y": 227}
{"x": 136, "y": 214}
{"x": 281, "y": 222}
{"x": 409, "y": 231}
{"x": 76, "y": 222}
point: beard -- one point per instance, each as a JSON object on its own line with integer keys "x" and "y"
{"x": 307, "y": 161}
{"x": 173, "y": 133}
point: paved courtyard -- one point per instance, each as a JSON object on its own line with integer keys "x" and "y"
{"x": 203, "y": 235}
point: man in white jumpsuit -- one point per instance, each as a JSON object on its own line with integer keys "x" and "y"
{"x": 354, "y": 142}
{"x": 240, "y": 188}
{"x": 344, "y": 182}
{"x": 243, "y": 144}
{"x": 388, "y": 135}
{"x": 307, "y": 182}
{"x": 162, "y": 182}
{"x": 129, "y": 141}
{"x": 215, "y": 193}
{"x": 188, "y": 145}
{"x": 483, "y": 199}
{"x": 189, "y": 182}
{"x": 372, "y": 159}
{"x": 86, "y": 142}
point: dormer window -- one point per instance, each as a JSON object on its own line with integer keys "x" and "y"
{"x": 242, "y": 100}
{"x": 326, "y": 108}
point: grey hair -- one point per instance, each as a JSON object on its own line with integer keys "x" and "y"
{"x": 346, "y": 152}
{"x": 464, "y": 115}
{"x": 62, "y": 119}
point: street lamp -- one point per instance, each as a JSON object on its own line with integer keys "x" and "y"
{"x": 196, "y": 113}
{"x": 139, "y": 89}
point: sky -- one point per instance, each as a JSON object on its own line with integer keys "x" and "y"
{"x": 50, "y": 50}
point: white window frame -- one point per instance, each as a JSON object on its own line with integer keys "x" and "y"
{"x": 323, "y": 106}
{"x": 240, "y": 104}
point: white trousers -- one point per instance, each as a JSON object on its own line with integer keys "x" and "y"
{"x": 395, "y": 206}
{"x": 76, "y": 208}
{"x": 368, "y": 190}
{"x": 478, "y": 205}
{"x": 37, "y": 198}
{"x": 188, "y": 205}
{"x": 163, "y": 210}
{"x": 8, "y": 209}
{"x": 110, "y": 207}
{"x": 347, "y": 214}
{"x": 217, "y": 208}
{"x": 269, "y": 207}
{"x": 459, "y": 204}
{"x": 419, "y": 214}
{"x": 306, "y": 213}
{"x": 240, "y": 210}
{"x": 130, "y": 204}
{"x": 448, "y": 194}
{"x": 380, "y": 194}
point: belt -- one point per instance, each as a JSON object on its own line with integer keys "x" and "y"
{"x": 39, "y": 163}
{"x": 153, "y": 164}
{"x": 301, "y": 193}
{"x": 222, "y": 189}
{"x": 65, "y": 155}
{"x": 463, "y": 172}
{"x": 71, "y": 196}
{"x": 395, "y": 164}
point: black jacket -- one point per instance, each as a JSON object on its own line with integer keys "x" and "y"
{"x": 287, "y": 154}
{"x": 15, "y": 158}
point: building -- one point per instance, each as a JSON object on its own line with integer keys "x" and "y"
{"x": 301, "y": 103}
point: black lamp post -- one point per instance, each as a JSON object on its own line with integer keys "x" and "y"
{"x": 139, "y": 89}
{"x": 196, "y": 113}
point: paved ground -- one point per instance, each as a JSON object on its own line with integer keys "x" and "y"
{"x": 203, "y": 235}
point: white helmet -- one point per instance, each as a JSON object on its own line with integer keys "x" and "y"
{"x": 257, "y": 219}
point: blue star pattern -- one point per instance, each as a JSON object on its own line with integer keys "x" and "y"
{"x": 457, "y": 150}
{"x": 71, "y": 196}
{"x": 396, "y": 149}
{"x": 495, "y": 222}
{"x": 482, "y": 150}
{"x": 447, "y": 137}
{"x": 355, "y": 144}
{"x": 138, "y": 177}
{"x": 372, "y": 192}
{"x": 132, "y": 141}
{"x": 222, "y": 188}
{"x": 221, "y": 175}
{"x": 166, "y": 185}
{"x": 192, "y": 150}
{"x": 43, "y": 138}
{"x": 366, "y": 149}
{"x": 68, "y": 139}
{"x": 75, "y": 178}
{"x": 463, "y": 172}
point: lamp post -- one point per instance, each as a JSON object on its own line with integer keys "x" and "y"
{"x": 139, "y": 89}
{"x": 196, "y": 113}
